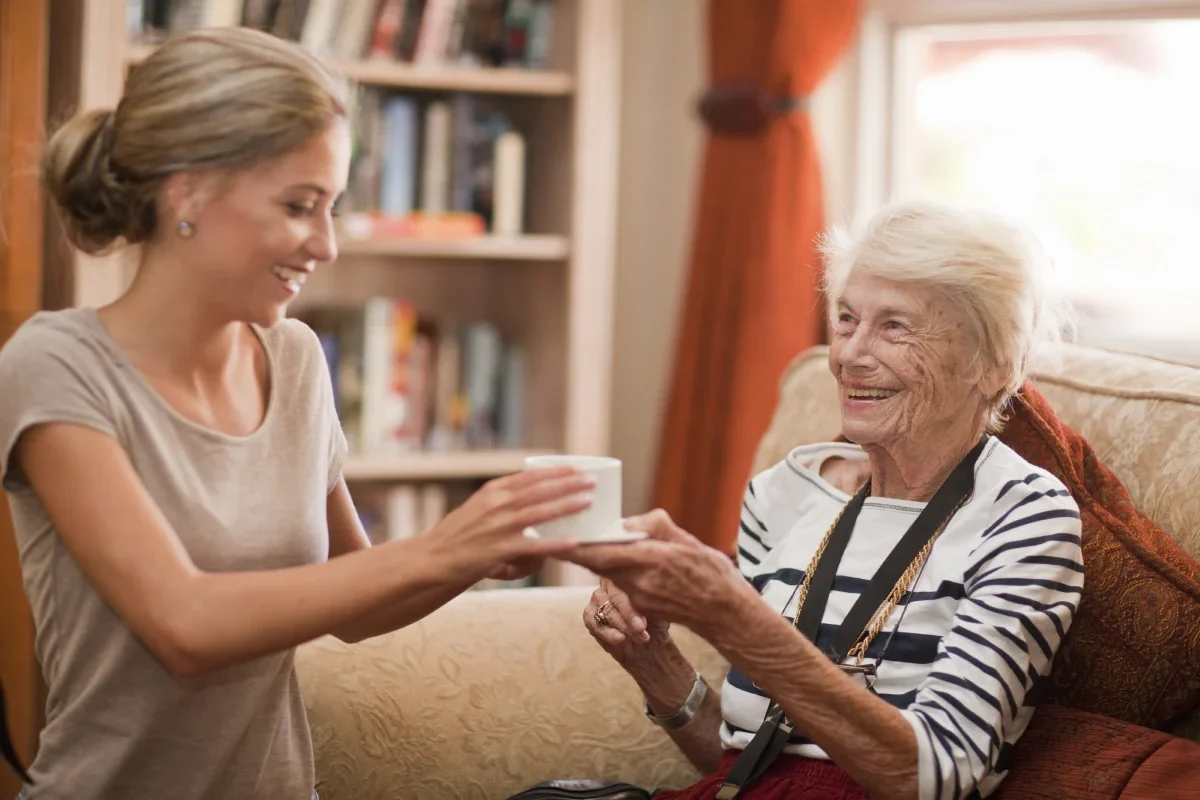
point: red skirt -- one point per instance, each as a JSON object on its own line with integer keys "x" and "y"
{"x": 789, "y": 778}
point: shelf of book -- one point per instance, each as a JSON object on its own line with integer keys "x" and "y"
{"x": 484, "y": 80}
{"x": 489, "y": 247}
{"x": 436, "y": 466}
{"x": 431, "y": 77}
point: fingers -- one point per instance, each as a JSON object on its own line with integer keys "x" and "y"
{"x": 605, "y": 634}
{"x": 607, "y": 559}
{"x": 659, "y": 525}
{"x": 516, "y": 569}
{"x": 628, "y": 620}
{"x": 535, "y": 515}
{"x": 548, "y": 490}
{"x": 528, "y": 550}
{"x": 531, "y": 477}
{"x": 609, "y": 635}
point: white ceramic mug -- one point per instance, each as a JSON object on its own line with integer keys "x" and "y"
{"x": 601, "y": 522}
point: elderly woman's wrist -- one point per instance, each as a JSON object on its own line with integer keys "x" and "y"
{"x": 730, "y": 616}
{"x": 665, "y": 677}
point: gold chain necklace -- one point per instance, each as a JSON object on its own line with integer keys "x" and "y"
{"x": 859, "y": 650}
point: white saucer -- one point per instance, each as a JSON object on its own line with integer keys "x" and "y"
{"x": 619, "y": 536}
{"x": 614, "y": 535}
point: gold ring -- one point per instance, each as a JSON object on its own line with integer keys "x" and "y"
{"x": 599, "y": 616}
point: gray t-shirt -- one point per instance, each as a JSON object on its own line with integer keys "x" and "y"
{"x": 117, "y": 724}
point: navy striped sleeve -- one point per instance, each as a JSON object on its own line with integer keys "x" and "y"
{"x": 1023, "y": 586}
{"x": 753, "y": 539}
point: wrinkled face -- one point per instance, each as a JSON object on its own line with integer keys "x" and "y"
{"x": 902, "y": 358}
{"x": 260, "y": 233}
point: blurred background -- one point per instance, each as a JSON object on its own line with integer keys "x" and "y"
{"x": 587, "y": 226}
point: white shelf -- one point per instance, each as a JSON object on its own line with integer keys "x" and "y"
{"x": 512, "y": 248}
{"x": 437, "y": 466}
{"x": 488, "y": 80}
{"x": 400, "y": 75}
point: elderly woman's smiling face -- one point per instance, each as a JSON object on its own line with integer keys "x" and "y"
{"x": 902, "y": 357}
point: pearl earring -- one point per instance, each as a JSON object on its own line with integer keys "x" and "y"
{"x": 186, "y": 229}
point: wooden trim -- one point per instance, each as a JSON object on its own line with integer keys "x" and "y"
{"x": 529, "y": 247}
{"x": 23, "y": 75}
{"x": 593, "y": 226}
{"x": 101, "y": 40}
{"x": 592, "y": 285}
{"x": 400, "y": 75}
{"x": 938, "y": 12}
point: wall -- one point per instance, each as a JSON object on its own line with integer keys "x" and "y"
{"x": 662, "y": 75}
{"x": 661, "y": 144}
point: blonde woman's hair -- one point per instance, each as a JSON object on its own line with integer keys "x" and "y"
{"x": 218, "y": 99}
{"x": 992, "y": 270}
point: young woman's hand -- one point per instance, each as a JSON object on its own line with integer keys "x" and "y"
{"x": 486, "y": 534}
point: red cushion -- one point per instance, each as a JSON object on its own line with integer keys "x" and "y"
{"x": 1067, "y": 754}
{"x": 1133, "y": 652}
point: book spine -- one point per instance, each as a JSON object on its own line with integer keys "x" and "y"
{"x": 376, "y": 372}
{"x": 508, "y": 190}
{"x": 320, "y": 26}
{"x": 402, "y": 512}
{"x": 433, "y": 505}
{"x": 435, "y": 177}
{"x": 386, "y": 32}
{"x": 400, "y": 153}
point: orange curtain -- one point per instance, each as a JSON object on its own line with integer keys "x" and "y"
{"x": 752, "y": 300}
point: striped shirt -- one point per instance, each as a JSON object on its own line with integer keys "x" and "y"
{"x": 978, "y": 631}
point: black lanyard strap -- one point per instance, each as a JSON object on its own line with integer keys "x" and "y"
{"x": 953, "y": 492}
{"x": 776, "y": 729}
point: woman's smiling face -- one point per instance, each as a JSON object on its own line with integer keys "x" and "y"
{"x": 901, "y": 355}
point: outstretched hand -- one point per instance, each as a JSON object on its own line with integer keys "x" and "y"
{"x": 486, "y": 534}
{"x": 671, "y": 576}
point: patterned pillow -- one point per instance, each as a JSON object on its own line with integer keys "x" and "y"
{"x": 1067, "y": 754}
{"x": 1133, "y": 652}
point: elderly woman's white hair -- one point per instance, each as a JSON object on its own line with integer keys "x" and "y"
{"x": 991, "y": 269}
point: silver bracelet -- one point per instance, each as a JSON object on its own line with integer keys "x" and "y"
{"x": 684, "y": 715}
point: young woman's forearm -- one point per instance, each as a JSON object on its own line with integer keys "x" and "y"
{"x": 392, "y": 618}
{"x": 224, "y": 618}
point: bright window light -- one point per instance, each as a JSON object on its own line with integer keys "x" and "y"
{"x": 1087, "y": 132}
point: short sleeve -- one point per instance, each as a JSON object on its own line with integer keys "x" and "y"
{"x": 46, "y": 377}
{"x": 337, "y": 449}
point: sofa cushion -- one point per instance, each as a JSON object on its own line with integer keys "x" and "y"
{"x": 1067, "y": 754}
{"x": 490, "y": 695}
{"x": 1133, "y": 651}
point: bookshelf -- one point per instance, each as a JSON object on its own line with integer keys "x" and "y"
{"x": 495, "y": 80}
{"x": 549, "y": 287}
{"x": 495, "y": 248}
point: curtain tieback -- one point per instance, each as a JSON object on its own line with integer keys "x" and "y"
{"x": 744, "y": 109}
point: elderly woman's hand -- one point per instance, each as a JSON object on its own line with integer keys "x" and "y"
{"x": 671, "y": 576}
{"x": 625, "y": 634}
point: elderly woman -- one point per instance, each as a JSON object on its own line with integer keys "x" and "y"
{"x": 900, "y": 597}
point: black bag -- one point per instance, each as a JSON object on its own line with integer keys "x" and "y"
{"x": 583, "y": 790}
{"x": 6, "y": 746}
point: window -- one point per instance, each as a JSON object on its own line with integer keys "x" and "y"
{"x": 1087, "y": 131}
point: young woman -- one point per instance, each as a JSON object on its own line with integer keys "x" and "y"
{"x": 173, "y": 460}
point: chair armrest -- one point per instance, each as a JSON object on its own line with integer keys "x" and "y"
{"x": 493, "y": 693}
